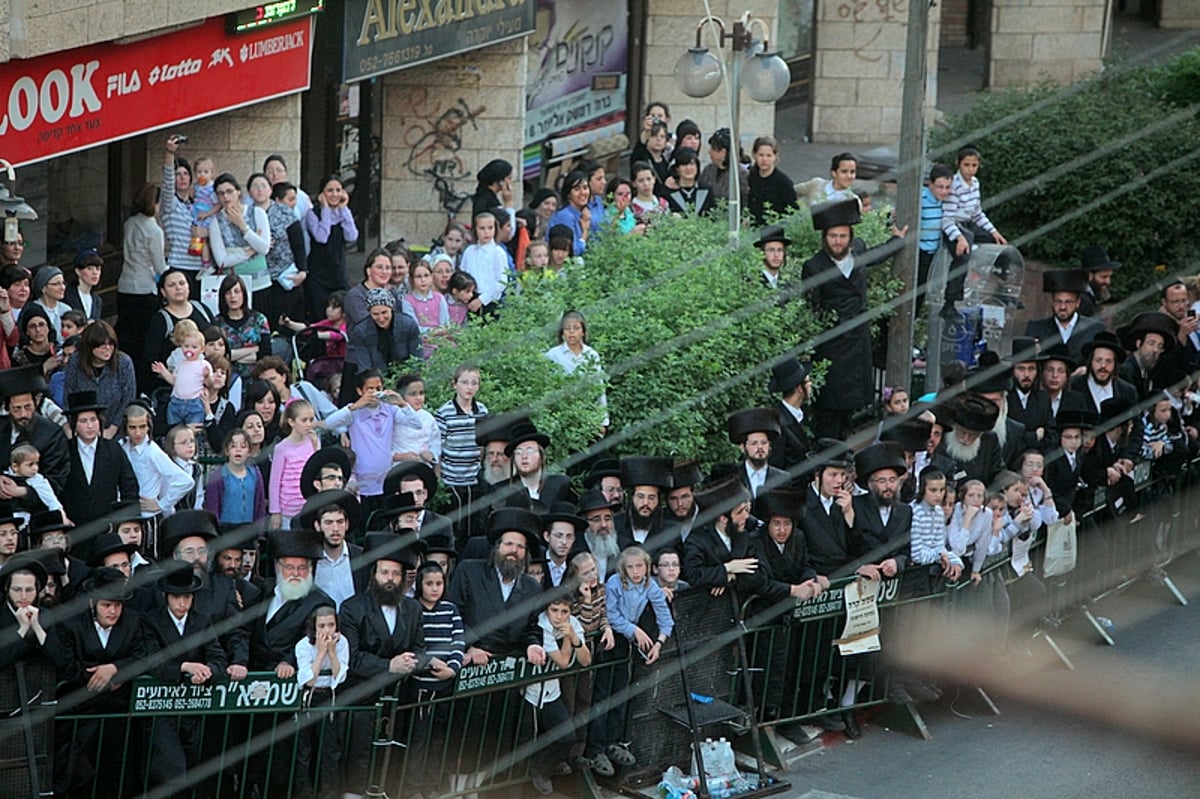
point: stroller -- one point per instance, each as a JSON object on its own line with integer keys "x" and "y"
{"x": 311, "y": 356}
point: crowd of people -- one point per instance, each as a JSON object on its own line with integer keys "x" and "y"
{"x": 314, "y": 550}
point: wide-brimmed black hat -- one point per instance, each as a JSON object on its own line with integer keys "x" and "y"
{"x": 1080, "y": 418}
{"x": 411, "y": 470}
{"x": 720, "y": 497}
{"x": 1056, "y": 280}
{"x": 740, "y": 424}
{"x": 323, "y": 457}
{"x": 1058, "y": 352}
{"x": 876, "y": 458}
{"x": 829, "y": 453}
{"x": 108, "y": 583}
{"x": 772, "y": 233}
{"x": 1024, "y": 350}
{"x": 785, "y": 502}
{"x": 405, "y": 549}
{"x": 686, "y": 473}
{"x": 911, "y": 434}
{"x": 991, "y": 375}
{"x": 520, "y": 433}
{"x": 311, "y": 511}
{"x": 25, "y": 561}
{"x": 1108, "y": 340}
{"x": 564, "y": 512}
{"x": 80, "y": 401}
{"x": 178, "y": 578}
{"x": 973, "y": 412}
{"x": 836, "y": 214}
{"x": 47, "y": 521}
{"x": 1095, "y": 259}
{"x": 604, "y": 467}
{"x": 294, "y": 543}
{"x": 22, "y": 380}
{"x": 786, "y": 375}
{"x": 515, "y": 520}
{"x": 595, "y": 500}
{"x": 640, "y": 470}
{"x": 1149, "y": 322}
{"x": 107, "y": 544}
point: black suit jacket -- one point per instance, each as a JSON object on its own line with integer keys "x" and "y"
{"x": 198, "y": 644}
{"x": 490, "y": 622}
{"x": 880, "y": 541}
{"x": 1046, "y": 332}
{"x": 372, "y": 646}
{"x": 113, "y": 479}
{"x": 51, "y": 443}
{"x": 826, "y": 535}
{"x": 274, "y": 642}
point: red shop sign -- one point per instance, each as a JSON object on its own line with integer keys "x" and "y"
{"x": 80, "y": 98}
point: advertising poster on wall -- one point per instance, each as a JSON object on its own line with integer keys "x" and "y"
{"x": 578, "y": 57}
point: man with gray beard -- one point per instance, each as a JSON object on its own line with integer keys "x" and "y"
{"x": 600, "y": 537}
{"x": 971, "y": 445}
{"x": 290, "y": 599}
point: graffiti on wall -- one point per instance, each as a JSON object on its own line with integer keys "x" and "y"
{"x": 433, "y": 134}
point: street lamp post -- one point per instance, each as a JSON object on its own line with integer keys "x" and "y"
{"x": 766, "y": 78}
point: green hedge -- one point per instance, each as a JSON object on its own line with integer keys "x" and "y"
{"x": 1112, "y": 161}
{"x": 681, "y": 321}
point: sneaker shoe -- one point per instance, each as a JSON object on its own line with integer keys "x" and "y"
{"x": 542, "y": 784}
{"x": 620, "y": 754}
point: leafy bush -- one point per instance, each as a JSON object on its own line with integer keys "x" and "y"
{"x": 1111, "y": 161}
{"x": 685, "y": 329}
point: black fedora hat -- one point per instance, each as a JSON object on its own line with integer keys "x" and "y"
{"x": 25, "y": 561}
{"x": 80, "y": 401}
{"x": 178, "y": 578}
{"x": 564, "y": 512}
{"x": 311, "y": 511}
{"x": 1079, "y": 418}
{"x": 829, "y": 453}
{"x": 1149, "y": 322}
{"x": 836, "y": 214}
{"x": 515, "y": 520}
{"x": 107, "y": 544}
{"x": 595, "y": 500}
{"x": 973, "y": 412}
{"x": 639, "y": 470}
{"x": 108, "y": 583}
{"x": 787, "y": 374}
{"x": 740, "y": 424}
{"x": 1071, "y": 280}
{"x": 1095, "y": 259}
{"x": 403, "y": 548}
{"x": 294, "y": 544}
{"x": 686, "y": 474}
{"x": 876, "y": 458}
{"x": 520, "y": 433}
{"x": 325, "y": 456}
{"x": 722, "y": 496}
{"x": 1108, "y": 340}
{"x": 1058, "y": 352}
{"x": 785, "y": 502}
{"x": 772, "y": 233}
{"x": 411, "y": 470}
{"x": 604, "y": 467}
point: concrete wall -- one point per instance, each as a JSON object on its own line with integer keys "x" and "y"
{"x": 858, "y": 79}
{"x": 31, "y": 28}
{"x": 1178, "y": 14}
{"x": 670, "y": 31}
{"x": 441, "y": 123}
{"x": 1034, "y": 40}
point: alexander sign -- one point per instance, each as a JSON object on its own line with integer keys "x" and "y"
{"x": 386, "y": 35}
{"x": 80, "y": 98}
